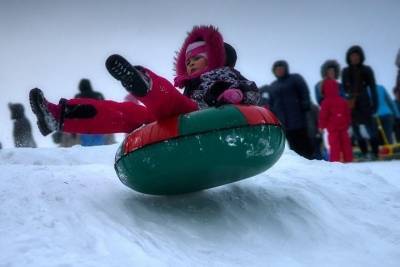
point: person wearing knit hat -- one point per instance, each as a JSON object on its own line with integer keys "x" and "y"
{"x": 202, "y": 68}
{"x": 196, "y": 49}
{"x": 196, "y": 57}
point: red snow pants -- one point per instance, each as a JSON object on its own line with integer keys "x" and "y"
{"x": 162, "y": 101}
{"x": 340, "y": 144}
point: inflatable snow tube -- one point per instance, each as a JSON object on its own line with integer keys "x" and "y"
{"x": 200, "y": 150}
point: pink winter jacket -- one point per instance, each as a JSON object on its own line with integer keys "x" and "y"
{"x": 335, "y": 114}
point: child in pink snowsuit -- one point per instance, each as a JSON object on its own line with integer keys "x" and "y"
{"x": 335, "y": 116}
{"x": 200, "y": 69}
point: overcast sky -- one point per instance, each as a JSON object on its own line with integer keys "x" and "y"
{"x": 53, "y": 44}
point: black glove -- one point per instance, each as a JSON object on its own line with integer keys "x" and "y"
{"x": 212, "y": 94}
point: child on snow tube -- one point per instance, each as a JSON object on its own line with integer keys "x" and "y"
{"x": 201, "y": 69}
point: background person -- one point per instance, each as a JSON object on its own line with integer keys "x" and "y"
{"x": 335, "y": 117}
{"x": 22, "y": 130}
{"x": 289, "y": 99}
{"x": 330, "y": 69}
{"x": 359, "y": 84}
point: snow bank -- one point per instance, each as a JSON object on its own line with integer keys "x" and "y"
{"x": 66, "y": 207}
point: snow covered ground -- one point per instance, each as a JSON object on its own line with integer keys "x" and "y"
{"x": 66, "y": 207}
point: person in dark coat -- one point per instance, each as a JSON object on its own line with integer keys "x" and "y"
{"x": 313, "y": 132}
{"x": 397, "y": 62}
{"x": 22, "y": 130}
{"x": 359, "y": 84}
{"x": 396, "y": 92}
{"x": 86, "y": 91}
{"x": 397, "y": 120}
{"x": 289, "y": 99}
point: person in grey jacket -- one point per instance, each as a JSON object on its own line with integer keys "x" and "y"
{"x": 22, "y": 130}
{"x": 289, "y": 99}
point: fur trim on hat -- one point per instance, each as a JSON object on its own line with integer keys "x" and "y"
{"x": 330, "y": 64}
{"x": 214, "y": 48}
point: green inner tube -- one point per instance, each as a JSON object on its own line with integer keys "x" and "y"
{"x": 196, "y": 162}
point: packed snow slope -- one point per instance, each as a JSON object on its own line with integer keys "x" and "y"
{"x": 66, "y": 207}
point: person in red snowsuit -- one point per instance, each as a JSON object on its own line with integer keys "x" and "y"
{"x": 202, "y": 69}
{"x": 335, "y": 116}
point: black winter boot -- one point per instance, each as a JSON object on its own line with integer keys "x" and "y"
{"x": 133, "y": 78}
{"x": 48, "y": 114}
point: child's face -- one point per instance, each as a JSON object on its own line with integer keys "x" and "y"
{"x": 196, "y": 64}
{"x": 331, "y": 74}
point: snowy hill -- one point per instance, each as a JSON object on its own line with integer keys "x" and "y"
{"x": 66, "y": 207}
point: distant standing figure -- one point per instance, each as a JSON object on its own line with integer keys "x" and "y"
{"x": 314, "y": 133}
{"x": 22, "y": 130}
{"x": 359, "y": 84}
{"x": 65, "y": 139}
{"x": 289, "y": 99}
{"x": 398, "y": 60}
{"x": 335, "y": 117}
{"x": 396, "y": 92}
{"x": 397, "y": 121}
{"x": 387, "y": 112}
{"x": 86, "y": 91}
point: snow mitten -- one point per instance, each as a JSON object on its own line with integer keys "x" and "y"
{"x": 231, "y": 96}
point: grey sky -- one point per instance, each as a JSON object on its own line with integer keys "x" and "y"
{"x": 53, "y": 44}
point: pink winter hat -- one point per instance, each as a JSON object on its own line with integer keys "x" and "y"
{"x": 198, "y": 48}
{"x": 202, "y": 39}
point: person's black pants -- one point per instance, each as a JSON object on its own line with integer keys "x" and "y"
{"x": 387, "y": 122}
{"x": 372, "y": 130}
{"x": 300, "y": 142}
